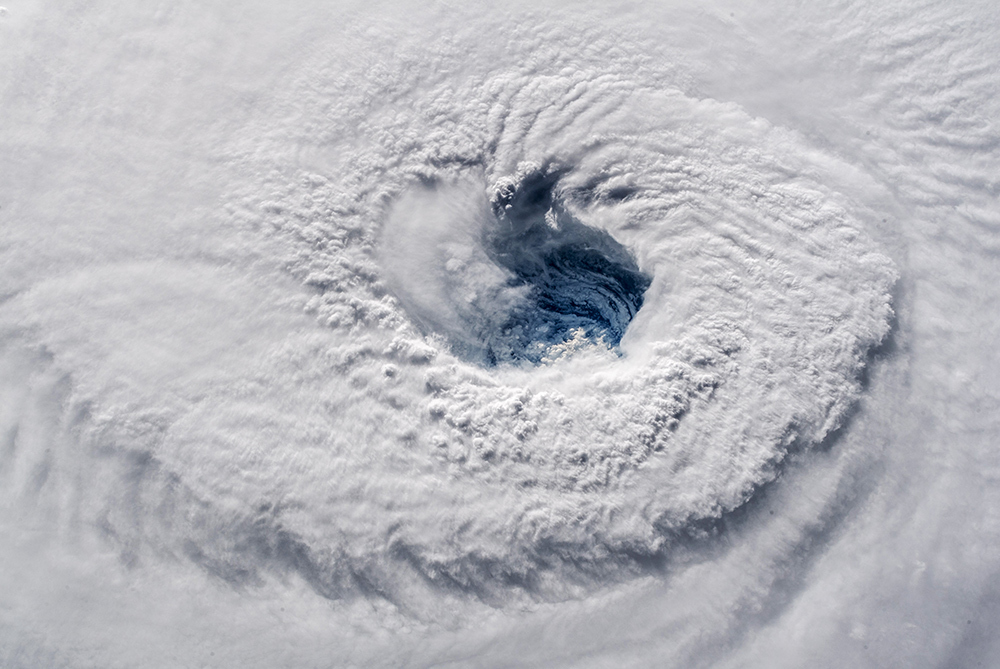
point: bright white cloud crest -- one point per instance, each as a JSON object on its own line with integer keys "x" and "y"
{"x": 412, "y": 341}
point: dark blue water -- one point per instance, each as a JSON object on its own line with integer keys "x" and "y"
{"x": 579, "y": 279}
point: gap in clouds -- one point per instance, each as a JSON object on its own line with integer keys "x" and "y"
{"x": 522, "y": 281}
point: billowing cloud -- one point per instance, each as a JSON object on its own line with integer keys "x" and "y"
{"x": 567, "y": 338}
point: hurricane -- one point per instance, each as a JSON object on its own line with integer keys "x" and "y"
{"x": 396, "y": 334}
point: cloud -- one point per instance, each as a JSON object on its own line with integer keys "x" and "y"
{"x": 575, "y": 338}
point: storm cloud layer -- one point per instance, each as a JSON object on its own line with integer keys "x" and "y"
{"x": 391, "y": 335}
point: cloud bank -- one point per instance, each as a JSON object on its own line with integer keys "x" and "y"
{"x": 364, "y": 336}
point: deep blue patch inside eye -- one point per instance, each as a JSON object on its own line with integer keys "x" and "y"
{"x": 579, "y": 279}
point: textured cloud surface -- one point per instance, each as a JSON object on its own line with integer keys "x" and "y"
{"x": 388, "y": 335}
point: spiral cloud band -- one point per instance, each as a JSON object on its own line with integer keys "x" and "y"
{"x": 403, "y": 336}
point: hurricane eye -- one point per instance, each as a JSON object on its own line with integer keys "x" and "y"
{"x": 517, "y": 279}
{"x": 581, "y": 283}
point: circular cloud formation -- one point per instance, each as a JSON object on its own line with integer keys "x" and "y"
{"x": 561, "y": 316}
{"x": 449, "y": 449}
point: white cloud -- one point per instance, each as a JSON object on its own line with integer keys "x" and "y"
{"x": 243, "y": 253}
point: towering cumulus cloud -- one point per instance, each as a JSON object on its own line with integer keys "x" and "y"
{"x": 406, "y": 336}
